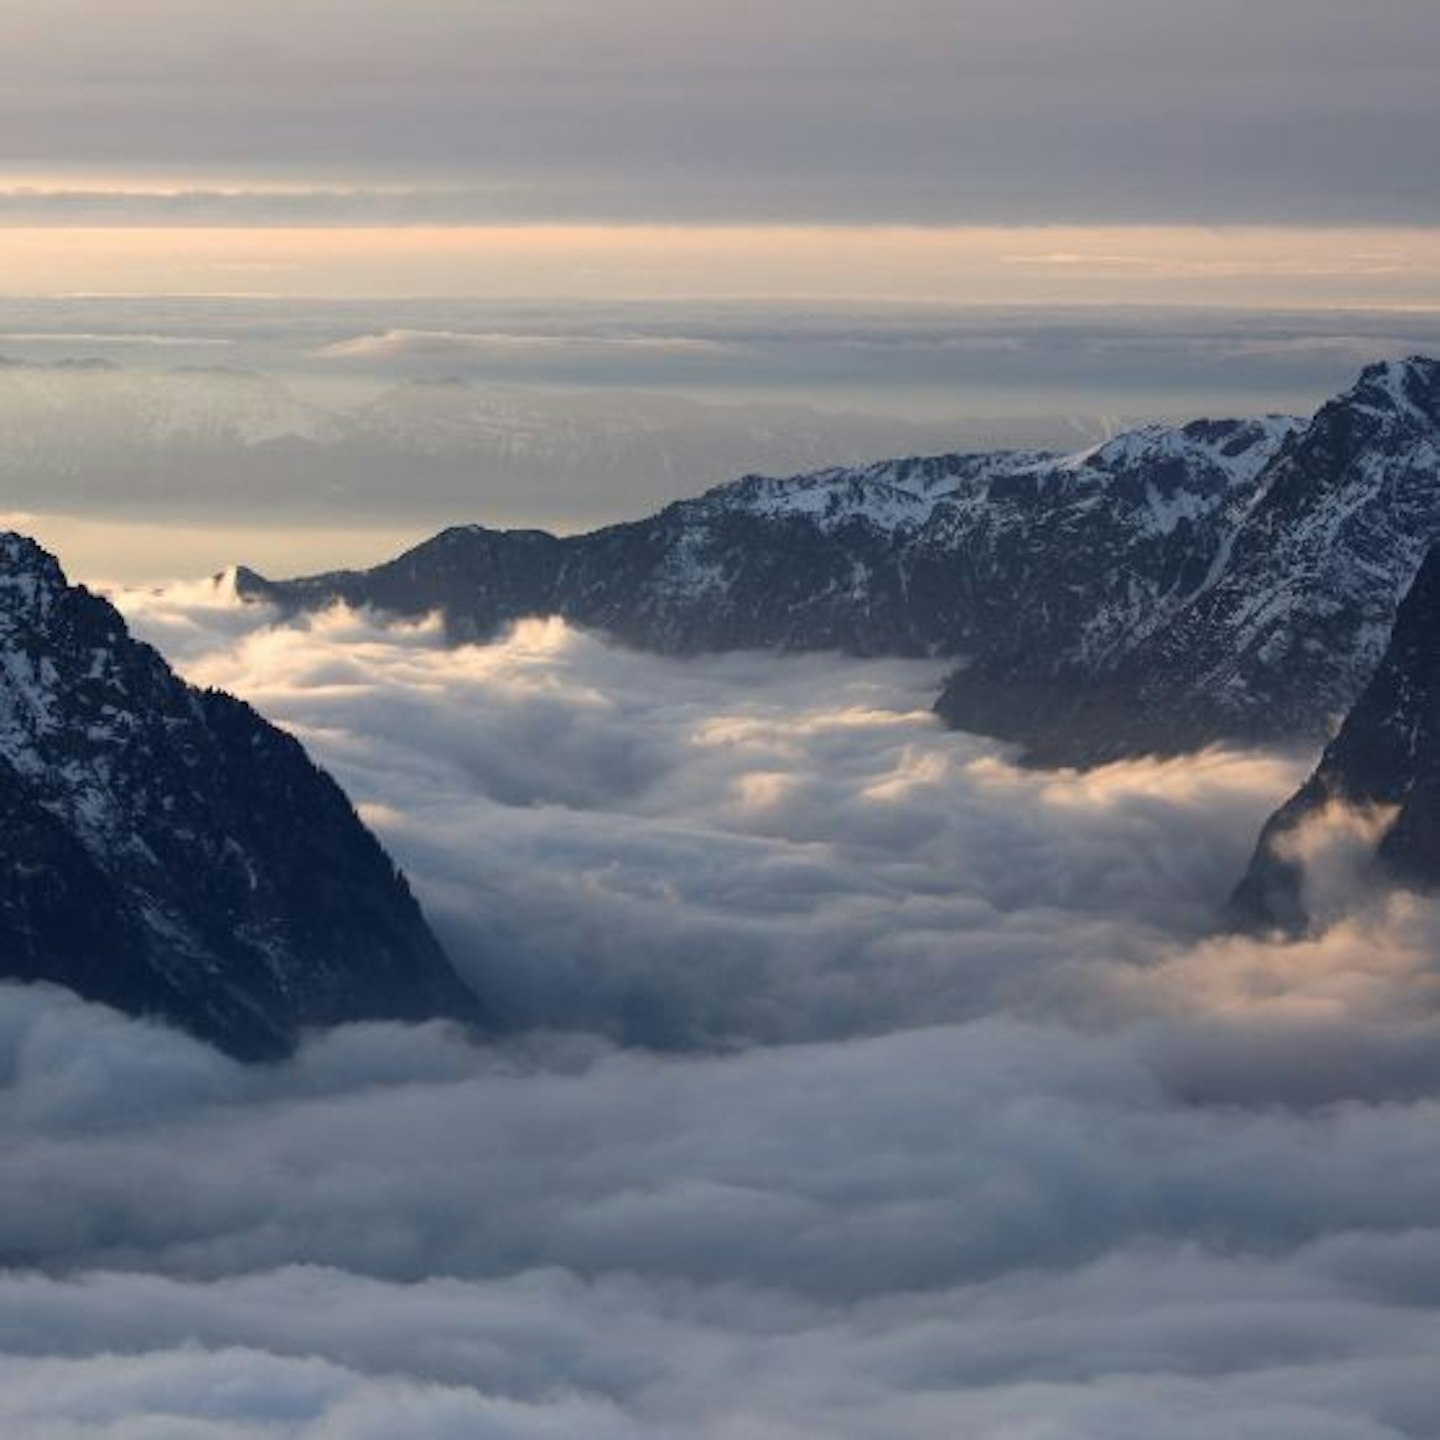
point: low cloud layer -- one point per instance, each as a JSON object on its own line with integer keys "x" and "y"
{"x": 966, "y": 1229}
{"x": 741, "y": 848}
{"x": 962, "y": 1120}
{"x": 1028, "y": 361}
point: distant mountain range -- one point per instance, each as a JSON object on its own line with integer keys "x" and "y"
{"x": 1172, "y": 587}
{"x": 166, "y": 851}
{"x": 223, "y": 441}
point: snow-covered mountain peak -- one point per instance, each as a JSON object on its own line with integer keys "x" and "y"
{"x": 1407, "y": 389}
{"x": 887, "y": 495}
{"x": 827, "y": 498}
{"x": 1238, "y": 449}
{"x": 1162, "y": 473}
{"x": 19, "y": 554}
{"x": 165, "y": 850}
{"x": 30, "y": 581}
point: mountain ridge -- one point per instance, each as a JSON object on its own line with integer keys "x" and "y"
{"x": 859, "y": 560}
{"x": 167, "y": 851}
{"x": 1167, "y": 589}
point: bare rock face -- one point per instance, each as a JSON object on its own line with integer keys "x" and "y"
{"x": 1386, "y": 757}
{"x": 1281, "y": 641}
{"x": 167, "y": 851}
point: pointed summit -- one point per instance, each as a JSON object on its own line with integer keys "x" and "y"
{"x": 166, "y": 851}
{"x": 30, "y": 577}
{"x": 1409, "y": 388}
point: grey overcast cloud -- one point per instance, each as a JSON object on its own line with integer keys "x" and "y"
{"x": 926, "y": 111}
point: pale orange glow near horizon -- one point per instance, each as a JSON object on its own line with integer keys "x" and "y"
{"x": 1189, "y": 265}
{"x": 103, "y": 552}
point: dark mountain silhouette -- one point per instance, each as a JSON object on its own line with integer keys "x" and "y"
{"x": 1386, "y": 758}
{"x": 168, "y": 852}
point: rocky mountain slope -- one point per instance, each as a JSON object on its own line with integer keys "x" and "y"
{"x": 1169, "y": 588}
{"x": 1385, "y": 759}
{"x": 168, "y": 852}
{"x": 1280, "y": 641}
{"x": 909, "y": 557}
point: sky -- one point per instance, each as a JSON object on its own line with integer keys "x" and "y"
{"x": 1277, "y": 153}
{"x": 953, "y": 210}
{"x": 931, "y": 111}
{"x": 161, "y": 435}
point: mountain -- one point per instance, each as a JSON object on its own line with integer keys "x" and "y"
{"x": 1386, "y": 758}
{"x": 166, "y": 851}
{"x": 910, "y": 557}
{"x": 201, "y": 441}
{"x": 142, "y": 442}
{"x": 1280, "y": 641}
{"x": 54, "y": 414}
{"x": 560, "y": 453}
{"x": 1166, "y": 589}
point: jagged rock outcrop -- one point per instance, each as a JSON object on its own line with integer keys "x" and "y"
{"x": 1385, "y": 759}
{"x": 168, "y": 852}
{"x": 1279, "y": 642}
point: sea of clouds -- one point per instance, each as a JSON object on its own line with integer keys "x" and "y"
{"x": 849, "y": 1080}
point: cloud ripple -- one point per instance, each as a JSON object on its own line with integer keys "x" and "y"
{"x": 948, "y": 1116}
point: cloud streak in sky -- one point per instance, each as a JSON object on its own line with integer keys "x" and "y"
{"x": 490, "y": 347}
{"x": 1301, "y": 110}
